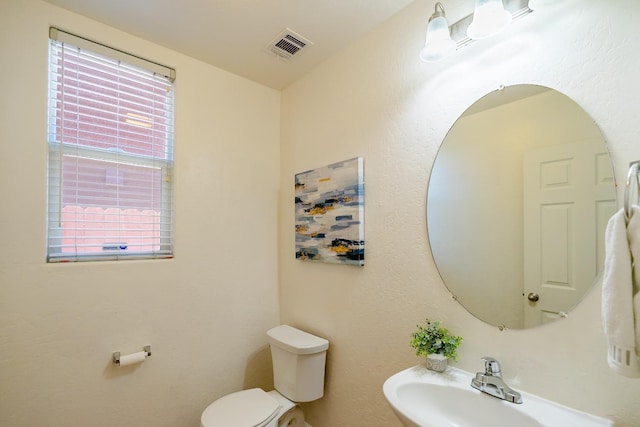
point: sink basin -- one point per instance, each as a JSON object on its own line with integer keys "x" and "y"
{"x": 425, "y": 398}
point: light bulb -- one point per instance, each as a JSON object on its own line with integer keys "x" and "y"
{"x": 489, "y": 18}
{"x": 538, "y": 4}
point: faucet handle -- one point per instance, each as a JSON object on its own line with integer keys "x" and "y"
{"x": 491, "y": 366}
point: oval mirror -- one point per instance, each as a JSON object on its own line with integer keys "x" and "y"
{"x": 518, "y": 200}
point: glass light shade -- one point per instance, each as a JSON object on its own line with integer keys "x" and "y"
{"x": 489, "y": 18}
{"x": 537, "y": 4}
{"x": 438, "y": 43}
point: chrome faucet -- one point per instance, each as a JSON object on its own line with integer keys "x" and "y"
{"x": 490, "y": 381}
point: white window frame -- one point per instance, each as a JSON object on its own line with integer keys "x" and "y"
{"x": 58, "y": 149}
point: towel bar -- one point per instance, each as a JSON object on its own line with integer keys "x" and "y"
{"x": 634, "y": 171}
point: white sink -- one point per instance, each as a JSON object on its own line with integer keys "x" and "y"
{"x": 424, "y": 398}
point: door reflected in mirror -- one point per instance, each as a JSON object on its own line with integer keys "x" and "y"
{"x": 518, "y": 199}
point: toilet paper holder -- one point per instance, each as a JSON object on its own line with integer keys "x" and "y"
{"x": 116, "y": 355}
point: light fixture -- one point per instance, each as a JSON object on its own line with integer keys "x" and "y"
{"x": 538, "y": 4}
{"x": 438, "y": 43}
{"x": 489, "y": 18}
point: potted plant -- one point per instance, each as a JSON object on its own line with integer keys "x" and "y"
{"x": 436, "y": 343}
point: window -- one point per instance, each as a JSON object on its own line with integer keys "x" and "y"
{"x": 110, "y": 138}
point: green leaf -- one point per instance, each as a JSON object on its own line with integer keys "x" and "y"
{"x": 432, "y": 338}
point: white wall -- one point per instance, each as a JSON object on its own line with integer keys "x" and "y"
{"x": 377, "y": 100}
{"x": 204, "y": 313}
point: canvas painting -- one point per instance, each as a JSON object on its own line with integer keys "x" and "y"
{"x": 330, "y": 213}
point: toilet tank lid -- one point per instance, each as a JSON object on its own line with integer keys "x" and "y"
{"x": 296, "y": 341}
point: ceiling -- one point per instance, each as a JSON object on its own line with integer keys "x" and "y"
{"x": 233, "y": 34}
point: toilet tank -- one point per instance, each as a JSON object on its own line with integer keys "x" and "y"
{"x": 298, "y": 363}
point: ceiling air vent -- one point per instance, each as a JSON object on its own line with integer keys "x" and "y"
{"x": 288, "y": 44}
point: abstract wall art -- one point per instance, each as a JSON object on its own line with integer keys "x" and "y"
{"x": 329, "y": 217}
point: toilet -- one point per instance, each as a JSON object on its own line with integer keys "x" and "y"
{"x": 298, "y": 376}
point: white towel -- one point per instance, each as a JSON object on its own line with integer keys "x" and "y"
{"x": 618, "y": 295}
{"x": 633, "y": 236}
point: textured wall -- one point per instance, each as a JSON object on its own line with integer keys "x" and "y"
{"x": 204, "y": 312}
{"x": 377, "y": 100}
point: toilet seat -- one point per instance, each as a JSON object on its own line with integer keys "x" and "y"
{"x": 246, "y": 408}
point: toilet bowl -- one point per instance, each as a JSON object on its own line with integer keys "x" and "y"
{"x": 253, "y": 408}
{"x": 298, "y": 375}
{"x": 290, "y": 414}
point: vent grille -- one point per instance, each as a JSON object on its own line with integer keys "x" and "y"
{"x": 287, "y": 44}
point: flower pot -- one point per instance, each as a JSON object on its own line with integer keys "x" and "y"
{"x": 437, "y": 362}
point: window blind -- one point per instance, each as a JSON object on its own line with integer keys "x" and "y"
{"x": 111, "y": 142}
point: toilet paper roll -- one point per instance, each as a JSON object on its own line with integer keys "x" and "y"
{"x": 131, "y": 359}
